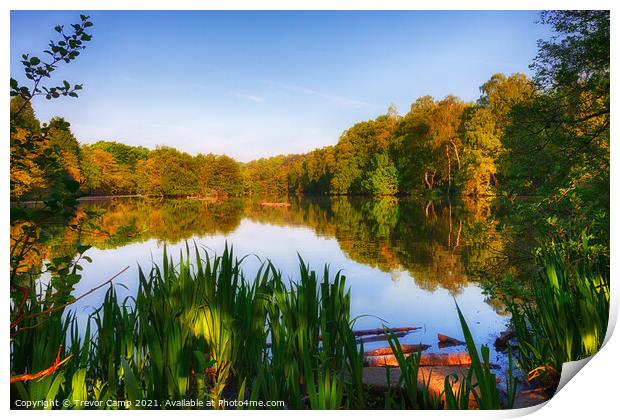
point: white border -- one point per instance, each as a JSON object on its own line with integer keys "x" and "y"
{"x": 593, "y": 394}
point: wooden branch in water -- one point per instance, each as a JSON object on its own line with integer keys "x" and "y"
{"x": 407, "y": 348}
{"x": 377, "y": 334}
{"x": 382, "y": 337}
{"x": 445, "y": 341}
{"x": 501, "y": 342}
{"x": 426, "y": 359}
{"x": 381, "y": 331}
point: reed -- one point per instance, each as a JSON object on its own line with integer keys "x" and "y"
{"x": 567, "y": 313}
{"x": 478, "y": 384}
{"x": 200, "y": 329}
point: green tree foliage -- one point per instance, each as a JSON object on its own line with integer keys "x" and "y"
{"x": 28, "y": 156}
{"x": 168, "y": 172}
{"x": 427, "y": 144}
{"x": 383, "y": 178}
{"x": 43, "y": 156}
{"x": 482, "y": 130}
{"x": 110, "y": 167}
{"x": 354, "y": 153}
{"x": 557, "y": 143}
{"x": 347, "y": 167}
{"x": 269, "y": 176}
{"x": 67, "y": 147}
{"x": 123, "y": 154}
{"x": 313, "y": 172}
{"x": 218, "y": 175}
{"x": 102, "y": 173}
{"x": 23, "y": 116}
{"x": 411, "y": 150}
{"x": 113, "y": 168}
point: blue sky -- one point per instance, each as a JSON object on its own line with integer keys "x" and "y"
{"x": 255, "y": 84}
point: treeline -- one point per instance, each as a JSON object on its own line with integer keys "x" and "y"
{"x": 446, "y": 146}
{"x": 110, "y": 168}
{"x": 113, "y": 168}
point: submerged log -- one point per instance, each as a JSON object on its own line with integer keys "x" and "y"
{"x": 382, "y": 337}
{"x": 407, "y": 348}
{"x": 501, "y": 342}
{"x": 369, "y": 339}
{"x": 381, "y": 331}
{"x": 428, "y": 359}
{"x": 377, "y": 334}
{"x": 430, "y": 379}
{"x": 445, "y": 341}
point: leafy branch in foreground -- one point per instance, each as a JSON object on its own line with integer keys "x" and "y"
{"x": 37, "y": 173}
{"x": 65, "y": 50}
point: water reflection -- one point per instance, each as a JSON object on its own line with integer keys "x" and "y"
{"x": 405, "y": 259}
{"x": 438, "y": 244}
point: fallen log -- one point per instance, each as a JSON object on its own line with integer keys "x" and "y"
{"x": 370, "y": 339}
{"x": 426, "y": 359}
{"x": 382, "y": 337}
{"x": 377, "y": 334}
{"x": 446, "y": 341}
{"x": 430, "y": 379}
{"x": 407, "y": 348}
{"x": 378, "y": 331}
{"x": 501, "y": 342}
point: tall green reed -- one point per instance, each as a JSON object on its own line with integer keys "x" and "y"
{"x": 479, "y": 384}
{"x": 565, "y": 316}
{"x": 199, "y": 329}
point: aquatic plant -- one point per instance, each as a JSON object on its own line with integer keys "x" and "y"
{"x": 565, "y": 316}
{"x": 199, "y": 329}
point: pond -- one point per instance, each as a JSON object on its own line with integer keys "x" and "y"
{"x": 407, "y": 262}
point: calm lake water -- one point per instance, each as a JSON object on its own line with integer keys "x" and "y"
{"x": 407, "y": 262}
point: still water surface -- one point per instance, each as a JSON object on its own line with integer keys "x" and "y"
{"x": 407, "y": 262}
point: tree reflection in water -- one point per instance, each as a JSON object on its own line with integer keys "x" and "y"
{"x": 440, "y": 244}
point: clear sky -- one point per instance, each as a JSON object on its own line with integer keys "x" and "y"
{"x": 257, "y": 84}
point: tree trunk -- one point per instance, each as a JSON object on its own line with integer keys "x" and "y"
{"x": 449, "y": 168}
{"x": 428, "y": 184}
{"x": 456, "y": 153}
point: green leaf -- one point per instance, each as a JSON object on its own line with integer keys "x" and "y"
{"x": 71, "y": 184}
{"x": 18, "y": 214}
{"x": 83, "y": 248}
{"x": 53, "y": 389}
{"x": 132, "y": 390}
